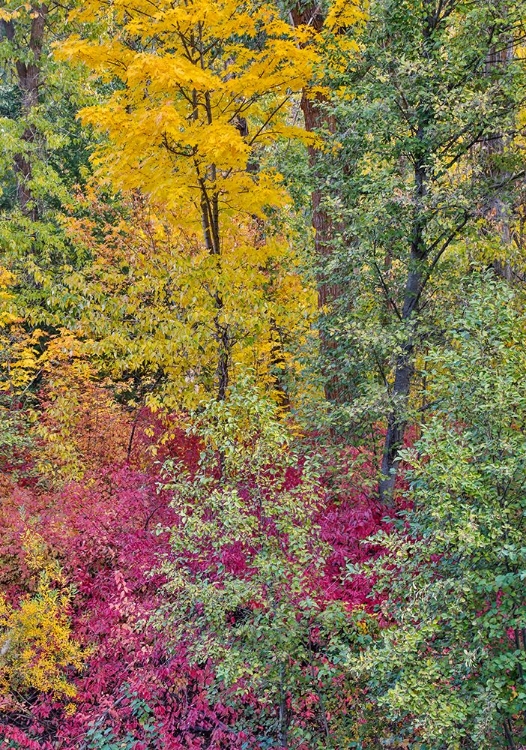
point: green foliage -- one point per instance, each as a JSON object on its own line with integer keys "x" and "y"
{"x": 188, "y": 292}
{"x": 101, "y": 737}
{"x": 14, "y": 436}
{"x": 414, "y": 182}
{"x": 45, "y": 154}
{"x": 243, "y": 583}
{"x": 452, "y": 664}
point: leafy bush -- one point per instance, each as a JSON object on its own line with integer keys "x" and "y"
{"x": 452, "y": 665}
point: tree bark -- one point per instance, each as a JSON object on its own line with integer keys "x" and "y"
{"x": 29, "y": 82}
{"x": 416, "y": 280}
{"x": 497, "y": 212}
{"x": 317, "y": 117}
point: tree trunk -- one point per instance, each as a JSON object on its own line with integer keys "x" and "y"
{"x": 396, "y": 424}
{"x": 497, "y": 212}
{"x": 316, "y": 117}
{"x": 397, "y": 419}
{"x": 223, "y": 363}
{"x": 29, "y": 83}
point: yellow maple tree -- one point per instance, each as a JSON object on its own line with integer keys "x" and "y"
{"x": 199, "y": 89}
{"x": 201, "y": 84}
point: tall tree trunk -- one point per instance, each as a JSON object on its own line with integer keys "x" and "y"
{"x": 416, "y": 280}
{"x": 497, "y": 212}
{"x": 316, "y": 117}
{"x": 212, "y": 238}
{"x": 29, "y": 82}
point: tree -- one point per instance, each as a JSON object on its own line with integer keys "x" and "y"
{"x": 415, "y": 110}
{"x": 329, "y": 24}
{"x": 28, "y": 80}
{"x": 197, "y": 89}
{"x": 243, "y": 581}
{"x": 44, "y": 153}
{"x": 144, "y": 306}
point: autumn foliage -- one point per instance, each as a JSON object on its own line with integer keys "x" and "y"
{"x": 82, "y": 657}
{"x": 262, "y": 395}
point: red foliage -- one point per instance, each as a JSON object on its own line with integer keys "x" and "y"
{"x": 136, "y": 686}
{"x": 353, "y": 515}
{"x": 102, "y": 531}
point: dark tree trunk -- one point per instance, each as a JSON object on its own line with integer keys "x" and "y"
{"x": 396, "y": 424}
{"x": 212, "y": 238}
{"x": 497, "y": 211}
{"x": 29, "y": 82}
{"x": 416, "y": 279}
{"x": 223, "y": 364}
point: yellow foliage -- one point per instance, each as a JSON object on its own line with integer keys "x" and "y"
{"x": 202, "y": 87}
{"x": 152, "y": 304}
{"x": 7, "y": 279}
{"x": 82, "y": 427}
{"x": 18, "y": 347}
{"x": 345, "y": 13}
{"x": 39, "y": 560}
{"x": 176, "y": 122}
{"x": 36, "y": 645}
